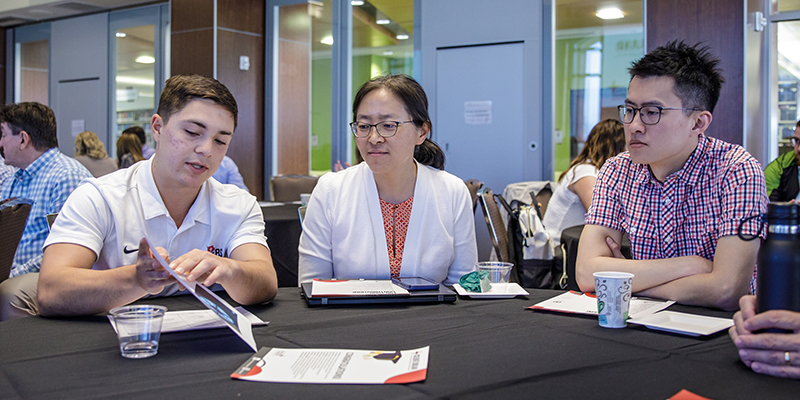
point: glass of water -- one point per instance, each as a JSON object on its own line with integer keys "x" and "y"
{"x": 138, "y": 329}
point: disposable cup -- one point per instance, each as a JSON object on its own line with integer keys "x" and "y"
{"x": 304, "y": 198}
{"x": 613, "y": 291}
{"x": 498, "y": 271}
{"x": 138, "y": 329}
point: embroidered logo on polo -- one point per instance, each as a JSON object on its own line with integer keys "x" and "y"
{"x": 215, "y": 251}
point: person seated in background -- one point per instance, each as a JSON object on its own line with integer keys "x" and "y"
{"x": 775, "y": 354}
{"x": 96, "y": 257}
{"x": 91, "y": 152}
{"x": 781, "y": 174}
{"x": 398, "y": 213}
{"x": 129, "y": 150}
{"x": 573, "y": 196}
{"x": 680, "y": 195}
{"x": 6, "y": 171}
{"x": 30, "y": 143}
{"x": 147, "y": 151}
{"x": 228, "y": 173}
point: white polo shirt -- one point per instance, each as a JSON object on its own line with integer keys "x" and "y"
{"x": 110, "y": 214}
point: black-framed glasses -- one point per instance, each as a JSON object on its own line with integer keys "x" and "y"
{"x": 650, "y": 115}
{"x": 384, "y": 128}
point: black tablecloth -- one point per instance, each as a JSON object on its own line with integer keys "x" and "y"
{"x": 482, "y": 349}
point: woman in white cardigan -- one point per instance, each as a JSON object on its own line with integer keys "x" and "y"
{"x": 397, "y": 213}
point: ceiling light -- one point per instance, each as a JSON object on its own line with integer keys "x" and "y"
{"x": 610, "y": 13}
{"x": 137, "y": 81}
{"x": 327, "y": 40}
{"x": 382, "y": 21}
{"x": 357, "y": 3}
{"x": 401, "y": 37}
{"x": 145, "y": 60}
{"x": 121, "y": 34}
{"x": 388, "y": 53}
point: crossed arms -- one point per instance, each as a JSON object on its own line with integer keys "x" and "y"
{"x": 691, "y": 280}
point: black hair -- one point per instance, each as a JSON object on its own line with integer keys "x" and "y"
{"x": 698, "y": 80}
{"x": 36, "y": 119}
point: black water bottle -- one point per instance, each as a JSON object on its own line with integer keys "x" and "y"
{"x": 778, "y": 283}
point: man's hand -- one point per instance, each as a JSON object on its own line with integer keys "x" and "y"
{"x": 766, "y": 353}
{"x": 614, "y": 247}
{"x": 150, "y": 275}
{"x": 205, "y": 267}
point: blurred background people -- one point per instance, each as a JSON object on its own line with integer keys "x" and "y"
{"x": 129, "y": 150}
{"x": 573, "y": 196}
{"x": 5, "y": 171}
{"x": 91, "y": 152}
{"x": 228, "y": 172}
{"x": 411, "y": 217}
{"x": 781, "y": 173}
{"x": 147, "y": 151}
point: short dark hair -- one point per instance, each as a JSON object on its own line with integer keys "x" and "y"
{"x": 179, "y": 90}
{"x": 415, "y": 101}
{"x": 797, "y": 125}
{"x": 36, "y": 119}
{"x": 698, "y": 80}
{"x": 138, "y": 131}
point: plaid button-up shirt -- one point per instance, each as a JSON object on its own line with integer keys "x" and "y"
{"x": 720, "y": 185}
{"x": 48, "y": 181}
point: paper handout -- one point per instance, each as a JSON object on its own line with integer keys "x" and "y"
{"x": 355, "y": 287}
{"x": 238, "y": 323}
{"x": 335, "y": 366}
{"x": 190, "y": 320}
{"x": 585, "y": 303}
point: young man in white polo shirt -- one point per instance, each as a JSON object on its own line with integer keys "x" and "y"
{"x": 96, "y": 257}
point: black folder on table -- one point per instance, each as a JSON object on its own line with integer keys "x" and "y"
{"x": 441, "y": 295}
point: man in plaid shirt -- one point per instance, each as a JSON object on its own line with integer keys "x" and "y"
{"x": 679, "y": 194}
{"x": 30, "y": 143}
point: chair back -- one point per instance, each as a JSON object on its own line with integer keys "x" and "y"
{"x": 474, "y": 185}
{"x": 13, "y": 216}
{"x": 285, "y": 188}
{"x": 542, "y": 199}
{"x": 494, "y": 221}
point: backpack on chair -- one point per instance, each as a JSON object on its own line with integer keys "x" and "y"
{"x": 531, "y": 246}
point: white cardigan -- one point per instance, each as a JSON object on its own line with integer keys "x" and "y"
{"x": 344, "y": 238}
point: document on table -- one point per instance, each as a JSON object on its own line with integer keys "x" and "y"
{"x": 335, "y": 366}
{"x": 586, "y": 303}
{"x": 178, "y": 321}
{"x": 238, "y": 323}
{"x": 355, "y": 287}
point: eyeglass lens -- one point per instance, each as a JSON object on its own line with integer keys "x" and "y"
{"x": 650, "y": 114}
{"x": 385, "y": 129}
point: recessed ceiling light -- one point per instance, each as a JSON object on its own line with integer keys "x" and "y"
{"x": 121, "y": 34}
{"x": 610, "y": 13}
{"x": 401, "y": 37}
{"x": 145, "y": 60}
{"x": 327, "y": 40}
{"x": 357, "y": 3}
{"x": 382, "y": 21}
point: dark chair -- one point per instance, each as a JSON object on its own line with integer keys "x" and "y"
{"x": 497, "y": 230}
{"x": 474, "y": 186}
{"x": 13, "y": 216}
{"x": 284, "y": 188}
{"x": 570, "y": 238}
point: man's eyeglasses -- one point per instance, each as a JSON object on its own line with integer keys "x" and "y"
{"x": 384, "y": 128}
{"x": 650, "y": 115}
{"x": 794, "y": 141}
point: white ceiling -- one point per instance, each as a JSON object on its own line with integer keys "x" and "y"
{"x": 17, "y": 12}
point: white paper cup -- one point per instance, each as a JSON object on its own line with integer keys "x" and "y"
{"x": 499, "y": 272}
{"x": 613, "y": 291}
{"x": 138, "y": 329}
{"x": 304, "y": 197}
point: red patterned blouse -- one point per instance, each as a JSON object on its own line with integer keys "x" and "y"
{"x": 395, "y": 224}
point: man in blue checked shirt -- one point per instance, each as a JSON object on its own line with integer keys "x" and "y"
{"x": 29, "y": 142}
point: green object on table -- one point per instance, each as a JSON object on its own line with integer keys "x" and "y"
{"x": 476, "y": 281}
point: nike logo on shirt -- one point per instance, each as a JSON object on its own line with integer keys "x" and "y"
{"x": 126, "y": 250}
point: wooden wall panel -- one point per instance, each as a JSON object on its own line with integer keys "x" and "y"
{"x": 293, "y": 107}
{"x": 247, "y": 146}
{"x": 191, "y": 14}
{"x": 241, "y": 15}
{"x": 2, "y": 66}
{"x": 720, "y": 25}
{"x": 192, "y": 53}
